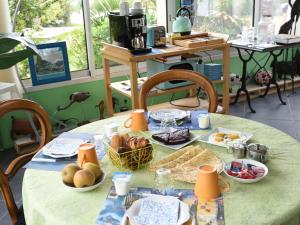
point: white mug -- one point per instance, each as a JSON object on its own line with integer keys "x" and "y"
{"x": 137, "y": 5}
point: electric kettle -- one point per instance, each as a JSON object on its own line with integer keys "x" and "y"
{"x": 182, "y": 24}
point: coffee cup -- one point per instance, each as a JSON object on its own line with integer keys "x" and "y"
{"x": 207, "y": 187}
{"x": 137, "y": 121}
{"x": 87, "y": 153}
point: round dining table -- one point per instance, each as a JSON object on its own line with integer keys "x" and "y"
{"x": 273, "y": 200}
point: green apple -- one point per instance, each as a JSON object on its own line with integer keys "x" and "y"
{"x": 68, "y": 173}
{"x": 94, "y": 168}
{"x": 84, "y": 178}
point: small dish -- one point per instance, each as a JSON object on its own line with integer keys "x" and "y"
{"x": 209, "y": 137}
{"x": 246, "y": 161}
{"x": 160, "y": 114}
{"x": 85, "y": 189}
{"x": 193, "y": 137}
{"x": 184, "y": 211}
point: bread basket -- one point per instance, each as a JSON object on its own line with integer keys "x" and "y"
{"x": 131, "y": 159}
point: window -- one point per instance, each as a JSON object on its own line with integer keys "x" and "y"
{"x": 100, "y": 23}
{"x": 67, "y": 20}
{"x": 222, "y": 16}
{"x": 48, "y": 21}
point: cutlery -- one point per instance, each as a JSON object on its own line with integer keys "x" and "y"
{"x": 43, "y": 160}
{"x": 188, "y": 116}
{"x": 193, "y": 210}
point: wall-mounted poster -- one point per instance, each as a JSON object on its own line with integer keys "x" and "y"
{"x": 52, "y": 65}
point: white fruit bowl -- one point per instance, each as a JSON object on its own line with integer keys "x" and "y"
{"x": 85, "y": 189}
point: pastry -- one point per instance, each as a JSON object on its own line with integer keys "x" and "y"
{"x": 124, "y": 138}
{"x": 173, "y": 138}
{"x": 115, "y": 142}
{"x": 156, "y": 165}
{"x": 137, "y": 142}
{"x": 220, "y": 134}
{"x": 218, "y": 139}
{"x": 183, "y": 158}
{"x": 233, "y": 136}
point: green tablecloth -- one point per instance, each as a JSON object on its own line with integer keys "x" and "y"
{"x": 274, "y": 200}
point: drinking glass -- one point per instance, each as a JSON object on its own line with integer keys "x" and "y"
{"x": 162, "y": 180}
{"x": 168, "y": 122}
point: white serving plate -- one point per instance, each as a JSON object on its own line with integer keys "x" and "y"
{"x": 85, "y": 189}
{"x": 246, "y": 161}
{"x": 135, "y": 207}
{"x": 160, "y": 114}
{"x": 209, "y": 137}
{"x": 193, "y": 137}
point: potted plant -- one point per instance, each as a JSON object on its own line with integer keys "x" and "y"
{"x": 8, "y": 41}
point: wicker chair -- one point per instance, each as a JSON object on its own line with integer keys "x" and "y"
{"x": 16, "y": 214}
{"x": 170, "y": 75}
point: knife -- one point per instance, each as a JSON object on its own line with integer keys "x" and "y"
{"x": 193, "y": 211}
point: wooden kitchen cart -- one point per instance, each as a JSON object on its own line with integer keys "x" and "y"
{"x": 123, "y": 56}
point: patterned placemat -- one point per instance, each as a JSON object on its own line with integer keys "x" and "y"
{"x": 114, "y": 208}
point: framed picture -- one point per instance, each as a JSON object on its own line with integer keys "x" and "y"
{"x": 52, "y": 66}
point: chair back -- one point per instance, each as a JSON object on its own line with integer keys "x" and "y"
{"x": 170, "y": 75}
{"x": 16, "y": 164}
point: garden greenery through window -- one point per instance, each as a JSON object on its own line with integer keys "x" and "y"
{"x": 63, "y": 20}
{"x": 47, "y": 21}
{"x": 100, "y": 24}
{"x": 223, "y": 16}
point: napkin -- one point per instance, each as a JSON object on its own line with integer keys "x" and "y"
{"x": 154, "y": 212}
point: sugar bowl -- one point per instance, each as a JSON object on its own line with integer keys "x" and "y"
{"x": 257, "y": 152}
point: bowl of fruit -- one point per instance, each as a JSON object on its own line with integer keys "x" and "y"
{"x": 245, "y": 170}
{"x": 82, "y": 179}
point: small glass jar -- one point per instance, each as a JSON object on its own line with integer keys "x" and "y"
{"x": 168, "y": 123}
{"x": 266, "y": 29}
{"x": 162, "y": 181}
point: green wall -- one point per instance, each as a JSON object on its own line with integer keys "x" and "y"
{"x": 50, "y": 99}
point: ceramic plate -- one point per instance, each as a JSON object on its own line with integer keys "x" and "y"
{"x": 85, "y": 189}
{"x": 246, "y": 161}
{"x": 135, "y": 207}
{"x": 210, "y": 137}
{"x": 62, "y": 147}
{"x": 160, "y": 114}
{"x": 193, "y": 137}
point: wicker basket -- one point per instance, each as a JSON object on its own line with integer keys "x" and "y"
{"x": 133, "y": 159}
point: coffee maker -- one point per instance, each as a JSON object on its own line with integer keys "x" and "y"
{"x": 129, "y": 31}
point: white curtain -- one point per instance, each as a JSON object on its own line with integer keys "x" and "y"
{"x": 9, "y": 75}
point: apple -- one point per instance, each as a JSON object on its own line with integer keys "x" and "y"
{"x": 94, "y": 168}
{"x": 83, "y": 178}
{"x": 68, "y": 173}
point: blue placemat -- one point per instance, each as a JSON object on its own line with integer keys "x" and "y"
{"x": 114, "y": 209}
{"x": 59, "y": 164}
{"x": 192, "y": 125}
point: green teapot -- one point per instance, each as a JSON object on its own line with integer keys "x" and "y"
{"x": 182, "y": 24}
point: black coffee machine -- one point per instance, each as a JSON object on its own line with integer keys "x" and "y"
{"x": 129, "y": 31}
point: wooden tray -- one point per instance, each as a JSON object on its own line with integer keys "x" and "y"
{"x": 196, "y": 40}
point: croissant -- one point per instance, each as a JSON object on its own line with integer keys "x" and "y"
{"x": 137, "y": 142}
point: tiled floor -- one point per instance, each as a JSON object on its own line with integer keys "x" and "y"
{"x": 268, "y": 111}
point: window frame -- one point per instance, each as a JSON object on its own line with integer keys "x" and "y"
{"x": 168, "y": 11}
